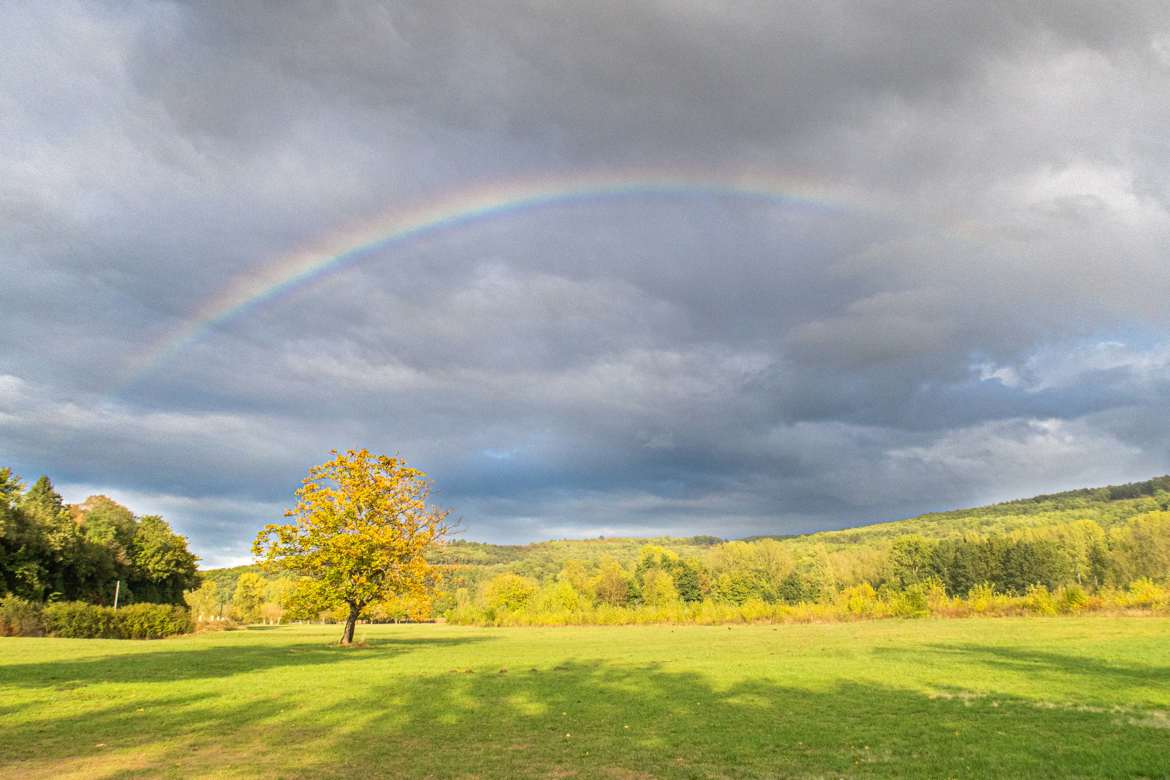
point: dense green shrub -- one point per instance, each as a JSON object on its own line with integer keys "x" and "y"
{"x": 153, "y": 621}
{"x": 913, "y": 602}
{"x": 78, "y": 620}
{"x": 19, "y": 617}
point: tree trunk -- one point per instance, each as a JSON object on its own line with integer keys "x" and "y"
{"x": 350, "y": 622}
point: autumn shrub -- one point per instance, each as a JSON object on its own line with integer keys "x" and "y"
{"x": 981, "y": 597}
{"x": 1039, "y": 601}
{"x": 709, "y": 612}
{"x": 859, "y": 600}
{"x": 1071, "y": 599}
{"x": 937, "y": 601}
{"x": 756, "y": 610}
{"x": 1144, "y": 593}
{"x": 911, "y": 602}
{"x": 19, "y": 617}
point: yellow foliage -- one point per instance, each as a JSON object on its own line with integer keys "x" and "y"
{"x": 658, "y": 588}
{"x": 509, "y": 592}
{"x": 358, "y": 534}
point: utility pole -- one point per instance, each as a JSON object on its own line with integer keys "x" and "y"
{"x": 117, "y": 591}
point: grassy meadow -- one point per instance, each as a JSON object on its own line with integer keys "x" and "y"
{"x": 1083, "y": 696}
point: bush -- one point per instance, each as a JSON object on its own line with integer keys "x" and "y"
{"x": 982, "y": 597}
{"x": 1071, "y": 598}
{"x": 913, "y": 602}
{"x": 78, "y": 620}
{"x": 1039, "y": 601}
{"x": 153, "y": 621}
{"x": 1143, "y": 593}
{"x": 859, "y": 600}
{"x": 20, "y": 618}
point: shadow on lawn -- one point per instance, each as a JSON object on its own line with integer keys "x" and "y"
{"x": 1114, "y": 675}
{"x": 586, "y": 718}
{"x": 176, "y": 662}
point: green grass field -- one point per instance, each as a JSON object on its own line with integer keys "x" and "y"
{"x": 1006, "y": 697}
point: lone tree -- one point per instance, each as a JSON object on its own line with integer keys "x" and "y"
{"x": 361, "y": 526}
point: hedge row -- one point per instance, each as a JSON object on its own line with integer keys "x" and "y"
{"x": 79, "y": 620}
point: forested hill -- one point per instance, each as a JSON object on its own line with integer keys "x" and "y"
{"x": 1105, "y": 506}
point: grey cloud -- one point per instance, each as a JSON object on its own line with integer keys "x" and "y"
{"x": 609, "y": 74}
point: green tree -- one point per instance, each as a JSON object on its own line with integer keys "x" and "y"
{"x": 558, "y": 596}
{"x": 962, "y": 564}
{"x": 736, "y": 587}
{"x": 910, "y": 561}
{"x": 686, "y": 576}
{"x": 812, "y": 580}
{"x": 104, "y": 553}
{"x": 510, "y": 592}
{"x": 752, "y": 569}
{"x": 575, "y": 573}
{"x": 361, "y": 528}
{"x": 49, "y": 535}
{"x": 1028, "y": 562}
{"x": 1141, "y": 548}
{"x": 688, "y": 579}
{"x": 204, "y": 601}
{"x": 278, "y": 597}
{"x": 23, "y": 549}
{"x": 52, "y": 550}
{"x": 248, "y": 597}
{"x": 162, "y": 567}
{"x": 658, "y": 588}
{"x": 612, "y": 584}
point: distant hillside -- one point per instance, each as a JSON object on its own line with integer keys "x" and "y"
{"x": 541, "y": 559}
{"x": 1107, "y": 506}
{"x": 537, "y": 559}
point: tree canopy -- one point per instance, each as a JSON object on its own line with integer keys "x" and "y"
{"x": 359, "y": 533}
{"x": 51, "y": 550}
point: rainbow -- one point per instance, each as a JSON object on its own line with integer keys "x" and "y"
{"x": 401, "y": 226}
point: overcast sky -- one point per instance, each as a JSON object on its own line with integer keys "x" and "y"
{"x": 967, "y": 299}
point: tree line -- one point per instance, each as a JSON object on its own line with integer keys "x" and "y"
{"x": 366, "y": 544}
{"x": 53, "y": 551}
{"x": 1080, "y": 564}
{"x": 1079, "y": 560}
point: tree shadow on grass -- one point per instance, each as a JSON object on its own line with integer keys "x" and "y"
{"x": 178, "y": 662}
{"x": 588, "y": 719}
{"x": 594, "y": 718}
{"x": 1113, "y": 675}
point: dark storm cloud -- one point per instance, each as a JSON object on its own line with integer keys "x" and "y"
{"x": 978, "y": 313}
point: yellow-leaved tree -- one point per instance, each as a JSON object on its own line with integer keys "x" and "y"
{"x": 360, "y": 529}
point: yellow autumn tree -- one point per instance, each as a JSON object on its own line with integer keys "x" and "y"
{"x": 360, "y": 529}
